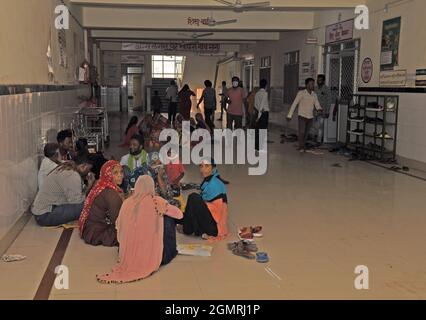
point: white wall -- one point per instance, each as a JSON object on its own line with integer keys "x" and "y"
{"x": 198, "y": 69}
{"x": 227, "y": 70}
{"x": 27, "y": 27}
{"x": 25, "y": 119}
{"x": 412, "y": 46}
{"x": 412, "y": 113}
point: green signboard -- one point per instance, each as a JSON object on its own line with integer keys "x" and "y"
{"x": 390, "y": 44}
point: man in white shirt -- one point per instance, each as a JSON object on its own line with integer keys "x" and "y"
{"x": 261, "y": 104}
{"x": 172, "y": 96}
{"x": 50, "y": 162}
{"x": 307, "y": 100}
{"x": 61, "y": 197}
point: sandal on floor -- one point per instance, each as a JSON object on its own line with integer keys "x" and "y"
{"x": 232, "y": 246}
{"x": 257, "y": 231}
{"x": 250, "y": 246}
{"x": 248, "y": 236}
{"x": 244, "y": 253}
{"x": 247, "y": 245}
{"x": 262, "y": 257}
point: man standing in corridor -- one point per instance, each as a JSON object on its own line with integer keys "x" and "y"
{"x": 307, "y": 101}
{"x": 324, "y": 97}
{"x": 172, "y": 96}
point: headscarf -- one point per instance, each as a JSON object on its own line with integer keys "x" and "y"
{"x": 140, "y": 230}
{"x": 144, "y": 187}
{"x": 105, "y": 182}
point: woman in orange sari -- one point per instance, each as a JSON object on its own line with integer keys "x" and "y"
{"x": 140, "y": 232}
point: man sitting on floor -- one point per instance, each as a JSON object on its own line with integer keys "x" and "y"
{"x": 65, "y": 145}
{"x": 49, "y": 163}
{"x": 60, "y": 199}
{"x": 133, "y": 162}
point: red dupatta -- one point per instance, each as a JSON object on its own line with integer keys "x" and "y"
{"x": 105, "y": 182}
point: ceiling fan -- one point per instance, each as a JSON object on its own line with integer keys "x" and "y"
{"x": 196, "y": 35}
{"x": 238, "y": 6}
{"x": 212, "y": 22}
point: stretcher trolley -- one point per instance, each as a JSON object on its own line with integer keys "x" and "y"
{"x": 92, "y": 123}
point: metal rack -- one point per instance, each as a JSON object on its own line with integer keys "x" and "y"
{"x": 91, "y": 123}
{"x": 372, "y": 126}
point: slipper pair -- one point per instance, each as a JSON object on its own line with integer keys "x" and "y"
{"x": 248, "y": 233}
{"x": 244, "y": 253}
{"x": 261, "y": 257}
{"x": 243, "y": 249}
{"x": 244, "y": 245}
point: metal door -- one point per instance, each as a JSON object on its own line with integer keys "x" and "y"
{"x": 341, "y": 70}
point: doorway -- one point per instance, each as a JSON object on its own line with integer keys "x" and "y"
{"x": 291, "y": 76}
{"x": 265, "y": 71}
{"x": 133, "y": 89}
{"x": 341, "y": 66}
{"x": 248, "y": 78}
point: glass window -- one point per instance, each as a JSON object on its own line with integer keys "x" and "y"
{"x": 157, "y": 58}
{"x": 169, "y": 58}
{"x": 167, "y": 66}
{"x": 158, "y": 67}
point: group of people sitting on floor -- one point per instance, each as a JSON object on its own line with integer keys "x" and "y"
{"x": 134, "y": 204}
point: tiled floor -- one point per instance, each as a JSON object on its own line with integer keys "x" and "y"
{"x": 320, "y": 222}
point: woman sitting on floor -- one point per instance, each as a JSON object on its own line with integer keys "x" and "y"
{"x": 206, "y": 214}
{"x": 101, "y": 208}
{"x": 145, "y": 243}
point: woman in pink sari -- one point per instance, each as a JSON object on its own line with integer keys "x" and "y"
{"x": 140, "y": 232}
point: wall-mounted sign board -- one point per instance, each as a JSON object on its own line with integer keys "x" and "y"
{"x": 339, "y": 31}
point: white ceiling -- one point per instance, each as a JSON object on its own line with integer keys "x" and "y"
{"x": 211, "y": 4}
{"x": 167, "y": 19}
